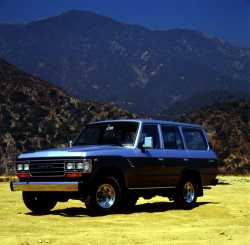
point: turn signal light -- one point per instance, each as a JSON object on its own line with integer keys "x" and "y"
{"x": 23, "y": 175}
{"x": 73, "y": 174}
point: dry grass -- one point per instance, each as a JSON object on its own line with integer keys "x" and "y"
{"x": 222, "y": 217}
{"x": 7, "y": 178}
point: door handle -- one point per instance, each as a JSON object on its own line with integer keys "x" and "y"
{"x": 211, "y": 161}
{"x": 185, "y": 159}
{"x": 161, "y": 159}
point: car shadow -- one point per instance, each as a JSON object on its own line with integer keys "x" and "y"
{"x": 158, "y": 207}
{"x": 223, "y": 183}
{"x": 140, "y": 208}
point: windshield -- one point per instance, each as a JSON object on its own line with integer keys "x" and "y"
{"x": 114, "y": 133}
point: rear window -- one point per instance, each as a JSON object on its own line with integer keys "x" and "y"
{"x": 194, "y": 139}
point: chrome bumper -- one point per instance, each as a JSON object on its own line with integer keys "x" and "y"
{"x": 45, "y": 186}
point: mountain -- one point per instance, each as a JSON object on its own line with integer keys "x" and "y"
{"x": 197, "y": 101}
{"x": 35, "y": 114}
{"x": 146, "y": 71}
{"x": 228, "y": 126}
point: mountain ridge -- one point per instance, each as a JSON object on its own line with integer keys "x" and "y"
{"x": 143, "y": 70}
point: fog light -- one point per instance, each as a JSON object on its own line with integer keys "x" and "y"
{"x": 19, "y": 167}
{"x": 70, "y": 165}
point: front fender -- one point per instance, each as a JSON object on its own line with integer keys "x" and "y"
{"x": 116, "y": 166}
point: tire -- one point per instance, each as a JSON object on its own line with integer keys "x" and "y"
{"x": 186, "y": 194}
{"x": 105, "y": 197}
{"x": 39, "y": 202}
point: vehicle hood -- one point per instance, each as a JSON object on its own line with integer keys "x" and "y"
{"x": 79, "y": 151}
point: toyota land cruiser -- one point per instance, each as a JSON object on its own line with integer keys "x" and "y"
{"x": 113, "y": 163}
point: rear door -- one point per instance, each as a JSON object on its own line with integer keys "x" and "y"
{"x": 174, "y": 155}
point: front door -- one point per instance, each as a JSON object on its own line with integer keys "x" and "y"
{"x": 147, "y": 165}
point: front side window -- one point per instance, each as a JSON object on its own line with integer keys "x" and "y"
{"x": 113, "y": 133}
{"x": 151, "y": 132}
{"x": 194, "y": 139}
{"x": 172, "y": 138}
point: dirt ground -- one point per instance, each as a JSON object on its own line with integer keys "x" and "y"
{"x": 221, "y": 217}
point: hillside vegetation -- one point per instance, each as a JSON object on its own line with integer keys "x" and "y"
{"x": 34, "y": 114}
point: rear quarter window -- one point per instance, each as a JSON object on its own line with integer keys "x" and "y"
{"x": 195, "y": 139}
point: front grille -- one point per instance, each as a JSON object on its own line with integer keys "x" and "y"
{"x": 46, "y": 167}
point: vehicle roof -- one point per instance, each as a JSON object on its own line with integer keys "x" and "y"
{"x": 150, "y": 121}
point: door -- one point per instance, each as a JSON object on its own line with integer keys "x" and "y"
{"x": 174, "y": 154}
{"x": 147, "y": 164}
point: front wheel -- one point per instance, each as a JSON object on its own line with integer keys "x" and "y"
{"x": 105, "y": 197}
{"x": 186, "y": 194}
{"x": 39, "y": 202}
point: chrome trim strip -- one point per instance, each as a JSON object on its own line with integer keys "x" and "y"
{"x": 206, "y": 138}
{"x": 161, "y": 136}
{"x": 49, "y": 159}
{"x": 45, "y": 186}
{"x": 138, "y": 134}
{"x": 151, "y": 188}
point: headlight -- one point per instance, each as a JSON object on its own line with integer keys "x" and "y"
{"x": 70, "y": 166}
{"x": 80, "y": 165}
{"x": 85, "y": 166}
{"x": 19, "y": 167}
{"x": 26, "y": 167}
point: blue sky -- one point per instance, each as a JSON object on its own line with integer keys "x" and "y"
{"x": 228, "y": 19}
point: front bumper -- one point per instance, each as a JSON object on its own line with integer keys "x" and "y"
{"x": 45, "y": 186}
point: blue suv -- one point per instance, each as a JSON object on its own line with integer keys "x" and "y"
{"x": 113, "y": 163}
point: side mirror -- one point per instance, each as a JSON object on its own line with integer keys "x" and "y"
{"x": 147, "y": 144}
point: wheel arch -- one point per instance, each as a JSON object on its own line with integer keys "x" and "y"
{"x": 196, "y": 176}
{"x": 113, "y": 171}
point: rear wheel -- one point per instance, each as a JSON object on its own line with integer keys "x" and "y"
{"x": 39, "y": 202}
{"x": 186, "y": 195}
{"x": 105, "y": 197}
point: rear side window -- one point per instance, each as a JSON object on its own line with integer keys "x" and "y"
{"x": 194, "y": 139}
{"x": 172, "y": 138}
